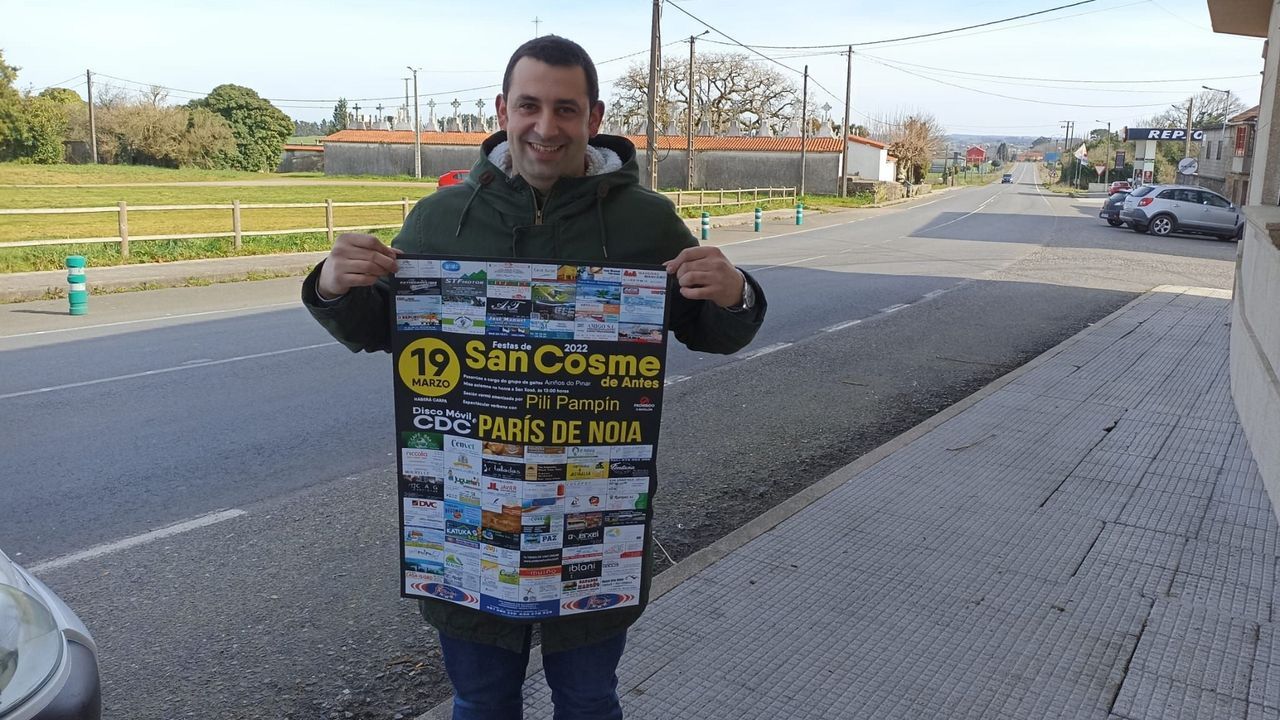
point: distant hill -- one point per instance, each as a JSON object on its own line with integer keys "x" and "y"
{"x": 966, "y": 140}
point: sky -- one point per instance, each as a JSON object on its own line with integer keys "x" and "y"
{"x": 305, "y": 55}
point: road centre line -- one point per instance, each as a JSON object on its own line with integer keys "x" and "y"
{"x": 786, "y": 264}
{"x": 984, "y": 204}
{"x": 894, "y": 308}
{"x": 111, "y": 547}
{"x": 161, "y": 371}
{"x": 142, "y": 320}
{"x": 763, "y": 351}
{"x": 841, "y": 326}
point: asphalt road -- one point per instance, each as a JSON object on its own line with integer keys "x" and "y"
{"x": 169, "y": 405}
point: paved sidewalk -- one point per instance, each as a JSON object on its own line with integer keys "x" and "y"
{"x": 1086, "y": 538}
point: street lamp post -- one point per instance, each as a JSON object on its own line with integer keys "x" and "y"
{"x": 417, "y": 129}
{"x": 1223, "y": 129}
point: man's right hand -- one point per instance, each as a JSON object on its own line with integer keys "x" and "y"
{"x": 356, "y": 260}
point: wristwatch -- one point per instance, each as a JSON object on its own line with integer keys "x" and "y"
{"x": 748, "y": 297}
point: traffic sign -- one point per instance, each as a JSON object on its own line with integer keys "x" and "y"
{"x": 1188, "y": 166}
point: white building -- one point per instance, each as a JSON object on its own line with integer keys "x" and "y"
{"x": 870, "y": 160}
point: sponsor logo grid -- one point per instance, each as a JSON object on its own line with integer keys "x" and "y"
{"x": 491, "y": 517}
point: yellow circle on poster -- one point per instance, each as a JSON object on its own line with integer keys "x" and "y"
{"x": 428, "y": 366}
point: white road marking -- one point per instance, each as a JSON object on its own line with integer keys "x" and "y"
{"x": 785, "y": 264}
{"x": 763, "y": 351}
{"x": 161, "y": 371}
{"x": 934, "y": 293}
{"x": 125, "y": 544}
{"x": 977, "y": 209}
{"x": 893, "y": 308}
{"x": 150, "y": 319}
{"x": 841, "y": 326}
{"x": 672, "y": 380}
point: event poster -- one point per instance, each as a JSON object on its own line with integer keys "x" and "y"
{"x": 528, "y": 399}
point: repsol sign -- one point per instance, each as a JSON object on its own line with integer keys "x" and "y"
{"x": 1162, "y": 134}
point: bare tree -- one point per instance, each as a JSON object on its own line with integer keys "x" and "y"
{"x": 155, "y": 96}
{"x": 727, "y": 86}
{"x": 1210, "y": 110}
{"x": 913, "y": 138}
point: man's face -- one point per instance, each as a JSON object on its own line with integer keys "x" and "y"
{"x": 548, "y": 118}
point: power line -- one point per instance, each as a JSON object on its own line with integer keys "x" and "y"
{"x": 901, "y": 39}
{"x": 757, "y": 52}
{"x": 1057, "y": 80}
{"x": 1008, "y": 97}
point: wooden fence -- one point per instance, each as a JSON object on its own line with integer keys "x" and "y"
{"x": 681, "y": 198}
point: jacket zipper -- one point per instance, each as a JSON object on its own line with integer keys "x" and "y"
{"x": 537, "y": 207}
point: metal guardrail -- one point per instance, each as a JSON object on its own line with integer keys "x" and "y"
{"x": 681, "y": 198}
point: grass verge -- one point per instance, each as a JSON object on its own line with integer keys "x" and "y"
{"x": 103, "y": 255}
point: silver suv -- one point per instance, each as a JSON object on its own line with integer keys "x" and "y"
{"x": 1163, "y": 209}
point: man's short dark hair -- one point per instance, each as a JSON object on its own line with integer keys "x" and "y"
{"x": 557, "y": 51}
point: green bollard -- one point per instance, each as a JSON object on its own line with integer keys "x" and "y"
{"x": 706, "y": 225}
{"x": 78, "y": 293}
{"x": 759, "y": 215}
{"x": 799, "y": 213}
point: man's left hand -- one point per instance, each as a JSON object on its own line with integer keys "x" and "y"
{"x": 704, "y": 273}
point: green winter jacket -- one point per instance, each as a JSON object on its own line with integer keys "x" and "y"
{"x": 605, "y": 217}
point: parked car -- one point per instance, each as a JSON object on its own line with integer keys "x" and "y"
{"x": 1006, "y": 178}
{"x": 453, "y": 177}
{"x": 1163, "y": 209}
{"x": 1119, "y": 186}
{"x": 1111, "y": 208}
{"x": 48, "y": 660}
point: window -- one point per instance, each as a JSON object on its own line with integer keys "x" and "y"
{"x": 1219, "y": 149}
{"x": 1213, "y": 199}
{"x": 1242, "y": 134}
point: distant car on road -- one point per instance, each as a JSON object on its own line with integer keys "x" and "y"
{"x": 1006, "y": 178}
{"x": 1111, "y": 208}
{"x": 48, "y": 660}
{"x": 453, "y": 177}
{"x": 1164, "y": 209}
{"x": 1119, "y": 186}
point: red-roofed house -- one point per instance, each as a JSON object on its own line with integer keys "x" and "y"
{"x": 975, "y": 155}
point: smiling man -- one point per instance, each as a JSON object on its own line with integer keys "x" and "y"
{"x": 547, "y": 186}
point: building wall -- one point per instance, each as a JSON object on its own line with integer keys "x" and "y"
{"x": 870, "y": 163}
{"x": 300, "y": 161}
{"x": 737, "y": 169}
{"x": 395, "y": 159}
{"x": 712, "y": 169}
{"x": 1255, "y": 327}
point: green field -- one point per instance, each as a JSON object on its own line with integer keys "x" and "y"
{"x": 83, "y": 186}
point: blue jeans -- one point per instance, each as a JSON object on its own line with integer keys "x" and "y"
{"x": 487, "y": 680}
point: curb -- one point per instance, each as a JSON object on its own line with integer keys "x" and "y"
{"x": 718, "y": 550}
{"x": 47, "y": 284}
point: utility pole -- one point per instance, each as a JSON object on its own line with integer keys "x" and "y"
{"x": 655, "y": 59}
{"x": 417, "y": 128}
{"x": 688, "y": 117}
{"x": 93, "y": 122}
{"x": 804, "y": 125}
{"x": 537, "y": 23}
{"x": 406, "y": 94}
{"x": 844, "y": 131}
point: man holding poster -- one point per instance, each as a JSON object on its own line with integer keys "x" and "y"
{"x": 524, "y": 277}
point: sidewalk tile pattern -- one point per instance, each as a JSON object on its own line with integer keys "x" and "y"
{"x": 1091, "y": 540}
